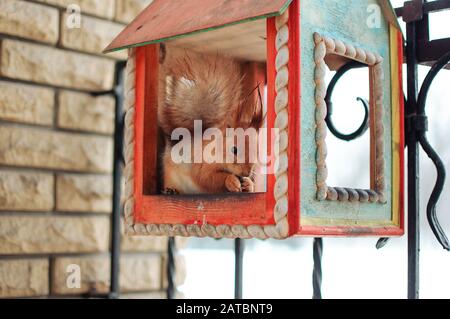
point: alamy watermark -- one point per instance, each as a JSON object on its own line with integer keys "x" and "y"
{"x": 73, "y": 279}
{"x": 230, "y": 146}
{"x": 73, "y": 20}
{"x": 374, "y": 19}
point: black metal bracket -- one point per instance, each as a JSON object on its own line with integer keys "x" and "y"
{"x": 119, "y": 159}
{"x": 239, "y": 246}
{"x": 171, "y": 268}
{"x": 420, "y": 124}
{"x": 416, "y": 123}
{"x": 117, "y": 92}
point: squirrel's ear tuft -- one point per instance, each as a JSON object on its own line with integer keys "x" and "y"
{"x": 251, "y": 113}
{"x": 258, "y": 117}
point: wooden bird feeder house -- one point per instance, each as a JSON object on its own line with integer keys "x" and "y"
{"x": 287, "y": 45}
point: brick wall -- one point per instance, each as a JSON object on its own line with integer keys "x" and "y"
{"x": 56, "y": 153}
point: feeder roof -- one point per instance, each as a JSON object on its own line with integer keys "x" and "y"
{"x": 166, "y": 20}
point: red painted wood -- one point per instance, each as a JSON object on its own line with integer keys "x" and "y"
{"x": 242, "y": 209}
{"x": 150, "y": 156}
{"x": 246, "y": 209}
{"x": 294, "y": 108}
{"x": 294, "y": 152}
{"x": 139, "y": 130}
{"x": 402, "y": 132}
{"x": 271, "y": 74}
{"x": 164, "y": 19}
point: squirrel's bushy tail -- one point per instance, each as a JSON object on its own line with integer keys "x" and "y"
{"x": 199, "y": 87}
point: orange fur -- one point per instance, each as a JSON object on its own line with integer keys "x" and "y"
{"x": 199, "y": 87}
{"x": 207, "y": 88}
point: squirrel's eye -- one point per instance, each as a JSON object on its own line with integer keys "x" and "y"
{"x": 234, "y": 150}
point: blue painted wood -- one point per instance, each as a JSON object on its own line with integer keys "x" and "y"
{"x": 346, "y": 21}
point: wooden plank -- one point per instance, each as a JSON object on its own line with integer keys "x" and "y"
{"x": 224, "y": 209}
{"x": 398, "y": 140}
{"x": 163, "y": 20}
{"x": 152, "y": 208}
{"x": 372, "y": 131}
{"x": 139, "y": 131}
{"x": 401, "y": 181}
{"x": 255, "y": 28}
{"x": 248, "y": 52}
{"x": 245, "y": 42}
{"x": 339, "y": 231}
{"x": 389, "y": 14}
{"x": 150, "y": 154}
{"x": 271, "y": 94}
{"x": 294, "y": 110}
{"x": 295, "y": 92}
{"x": 383, "y": 228}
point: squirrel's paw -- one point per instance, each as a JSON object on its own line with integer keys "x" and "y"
{"x": 248, "y": 186}
{"x": 233, "y": 184}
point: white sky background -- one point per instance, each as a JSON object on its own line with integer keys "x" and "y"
{"x": 352, "y": 268}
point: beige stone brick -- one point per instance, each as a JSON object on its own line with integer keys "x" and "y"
{"x": 54, "y": 150}
{"x": 93, "y": 36}
{"x": 53, "y": 234}
{"x": 93, "y": 271}
{"x": 26, "y": 191}
{"x": 26, "y": 103}
{"x": 140, "y": 273}
{"x": 78, "y": 111}
{"x": 137, "y": 273}
{"x": 127, "y": 10}
{"x": 43, "y": 64}
{"x": 101, "y": 8}
{"x": 29, "y": 20}
{"x": 143, "y": 243}
{"x": 84, "y": 193}
{"x": 145, "y": 295}
{"x": 150, "y": 243}
{"x": 23, "y": 278}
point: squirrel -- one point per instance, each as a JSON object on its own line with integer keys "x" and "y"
{"x": 206, "y": 88}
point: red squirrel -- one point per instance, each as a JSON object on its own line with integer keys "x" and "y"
{"x": 206, "y": 88}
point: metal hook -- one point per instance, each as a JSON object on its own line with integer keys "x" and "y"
{"x": 421, "y": 125}
{"x": 365, "y": 124}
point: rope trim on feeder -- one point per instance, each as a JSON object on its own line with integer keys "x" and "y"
{"x": 281, "y": 228}
{"x": 324, "y": 46}
{"x": 128, "y": 173}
